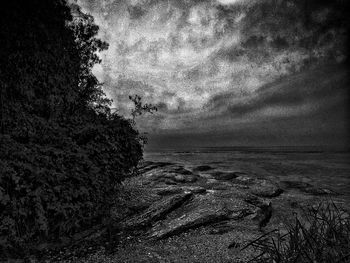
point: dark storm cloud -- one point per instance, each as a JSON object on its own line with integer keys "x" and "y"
{"x": 231, "y": 53}
{"x": 327, "y": 125}
{"x": 291, "y": 92}
{"x": 136, "y": 12}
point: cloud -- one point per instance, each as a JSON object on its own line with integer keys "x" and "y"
{"x": 302, "y": 95}
{"x": 232, "y": 2}
{"x": 211, "y": 63}
{"x": 308, "y": 89}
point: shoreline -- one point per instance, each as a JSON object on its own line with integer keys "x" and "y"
{"x": 177, "y": 214}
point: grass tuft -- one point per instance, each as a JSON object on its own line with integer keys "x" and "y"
{"x": 322, "y": 235}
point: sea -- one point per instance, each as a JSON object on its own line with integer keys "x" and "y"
{"x": 323, "y": 167}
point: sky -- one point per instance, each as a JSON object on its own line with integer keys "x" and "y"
{"x": 226, "y": 72}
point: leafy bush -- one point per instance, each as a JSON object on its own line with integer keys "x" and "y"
{"x": 61, "y": 182}
{"x": 62, "y": 152}
{"x": 323, "y": 238}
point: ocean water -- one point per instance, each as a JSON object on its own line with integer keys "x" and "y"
{"x": 321, "y": 167}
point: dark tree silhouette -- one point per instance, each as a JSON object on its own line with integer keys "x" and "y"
{"x": 141, "y": 108}
{"x": 62, "y": 151}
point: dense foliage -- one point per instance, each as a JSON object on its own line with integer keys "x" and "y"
{"x": 62, "y": 152}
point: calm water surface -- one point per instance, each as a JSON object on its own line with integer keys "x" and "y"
{"x": 321, "y": 167}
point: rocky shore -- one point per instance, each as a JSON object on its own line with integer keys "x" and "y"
{"x": 202, "y": 214}
{"x": 172, "y": 212}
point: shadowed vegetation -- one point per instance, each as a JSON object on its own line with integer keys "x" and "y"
{"x": 323, "y": 236}
{"x": 62, "y": 151}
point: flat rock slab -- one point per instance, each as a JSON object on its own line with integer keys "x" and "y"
{"x": 265, "y": 188}
{"x": 205, "y": 175}
{"x": 214, "y": 184}
{"x": 194, "y": 189}
{"x": 307, "y": 188}
{"x": 180, "y": 170}
{"x": 157, "y": 176}
{"x": 175, "y": 189}
{"x": 220, "y": 175}
{"x": 295, "y": 184}
{"x": 168, "y": 190}
{"x": 319, "y": 191}
{"x": 202, "y": 210}
{"x": 194, "y": 219}
{"x": 157, "y": 211}
{"x": 255, "y": 201}
{"x": 244, "y": 180}
{"x": 202, "y": 168}
{"x": 148, "y": 166}
{"x": 182, "y": 178}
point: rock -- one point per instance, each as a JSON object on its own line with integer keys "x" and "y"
{"x": 184, "y": 178}
{"x": 194, "y": 219}
{"x": 255, "y": 201}
{"x": 206, "y": 176}
{"x": 155, "y": 177}
{"x": 263, "y": 215}
{"x": 218, "y": 175}
{"x": 157, "y": 211}
{"x": 169, "y": 182}
{"x": 145, "y": 163}
{"x": 243, "y": 179}
{"x": 241, "y": 214}
{"x": 212, "y": 181}
{"x": 295, "y": 184}
{"x": 319, "y": 191}
{"x": 240, "y": 186}
{"x": 161, "y": 164}
{"x": 202, "y": 168}
{"x": 148, "y": 166}
{"x": 194, "y": 189}
{"x": 181, "y": 170}
{"x": 308, "y": 188}
{"x": 215, "y": 185}
{"x": 170, "y": 190}
{"x": 265, "y": 188}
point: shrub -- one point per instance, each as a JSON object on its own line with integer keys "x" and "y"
{"x": 62, "y": 152}
{"x": 62, "y": 181}
{"x": 323, "y": 238}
